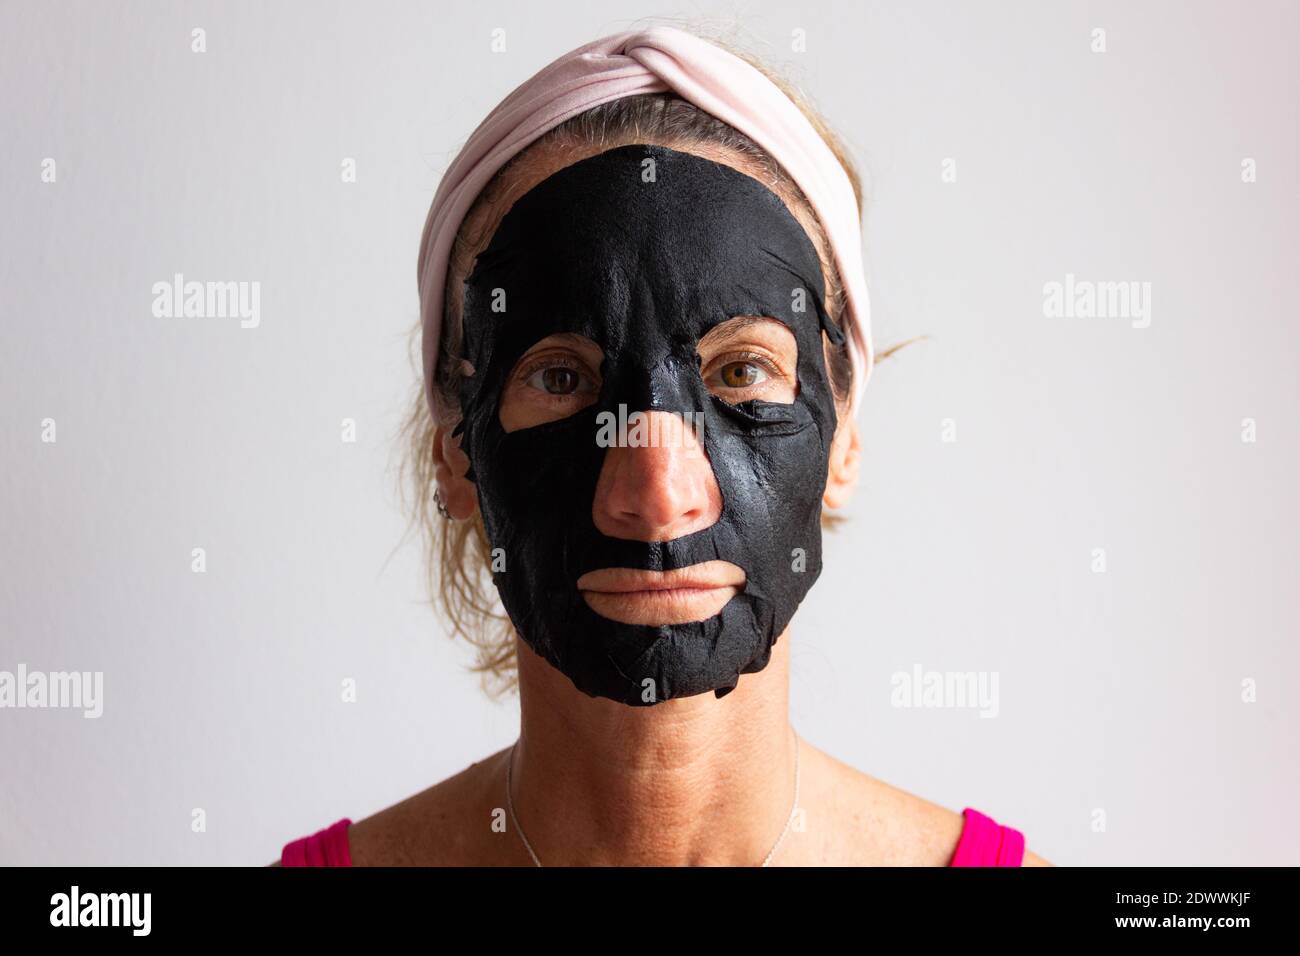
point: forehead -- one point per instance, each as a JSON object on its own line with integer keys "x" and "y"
{"x": 661, "y": 186}
{"x": 644, "y": 229}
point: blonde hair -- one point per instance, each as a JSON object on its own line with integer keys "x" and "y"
{"x": 457, "y": 553}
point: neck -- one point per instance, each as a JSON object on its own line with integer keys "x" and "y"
{"x": 699, "y": 781}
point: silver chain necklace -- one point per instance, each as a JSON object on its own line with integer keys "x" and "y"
{"x": 510, "y": 803}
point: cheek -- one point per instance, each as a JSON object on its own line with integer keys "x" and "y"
{"x": 536, "y": 481}
{"x": 772, "y": 474}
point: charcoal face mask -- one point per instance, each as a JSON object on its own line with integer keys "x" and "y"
{"x": 645, "y": 269}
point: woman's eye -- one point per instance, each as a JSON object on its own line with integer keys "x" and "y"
{"x": 742, "y": 375}
{"x": 744, "y": 370}
{"x": 555, "y": 379}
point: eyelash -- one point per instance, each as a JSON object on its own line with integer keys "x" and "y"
{"x": 547, "y": 362}
{"x": 552, "y": 361}
{"x": 757, "y": 358}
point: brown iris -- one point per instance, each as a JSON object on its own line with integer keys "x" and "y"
{"x": 739, "y": 374}
{"x": 559, "y": 380}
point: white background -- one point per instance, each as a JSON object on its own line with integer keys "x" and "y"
{"x": 1118, "y": 691}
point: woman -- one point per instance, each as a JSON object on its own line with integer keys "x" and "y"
{"x": 645, "y": 338}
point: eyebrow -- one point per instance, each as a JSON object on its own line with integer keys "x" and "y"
{"x": 735, "y": 327}
{"x": 561, "y": 339}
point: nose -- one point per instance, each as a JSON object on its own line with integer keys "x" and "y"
{"x": 659, "y": 490}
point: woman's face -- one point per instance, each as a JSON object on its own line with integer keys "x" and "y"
{"x": 649, "y": 420}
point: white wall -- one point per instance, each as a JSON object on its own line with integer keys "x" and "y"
{"x": 1119, "y": 691}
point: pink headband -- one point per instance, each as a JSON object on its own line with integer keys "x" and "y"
{"x": 656, "y": 60}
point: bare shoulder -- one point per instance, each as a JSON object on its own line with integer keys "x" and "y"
{"x": 447, "y": 824}
{"x": 875, "y": 823}
{"x": 912, "y": 831}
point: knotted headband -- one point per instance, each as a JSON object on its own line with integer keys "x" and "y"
{"x": 655, "y": 60}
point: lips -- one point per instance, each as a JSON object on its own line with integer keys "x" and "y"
{"x": 682, "y": 595}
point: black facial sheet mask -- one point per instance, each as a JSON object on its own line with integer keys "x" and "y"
{"x": 645, "y": 269}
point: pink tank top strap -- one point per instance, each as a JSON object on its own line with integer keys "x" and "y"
{"x": 984, "y": 842}
{"x": 327, "y": 847}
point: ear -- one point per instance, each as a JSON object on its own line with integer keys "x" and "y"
{"x": 845, "y": 461}
{"x": 450, "y": 467}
